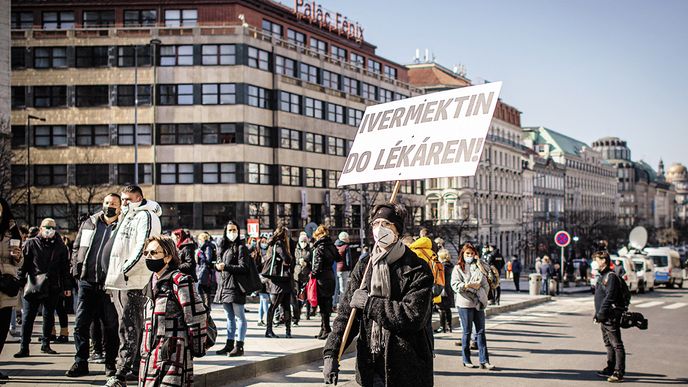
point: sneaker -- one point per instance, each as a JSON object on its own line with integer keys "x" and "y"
{"x": 96, "y": 358}
{"x": 22, "y": 353}
{"x": 470, "y": 365}
{"x": 78, "y": 369}
{"x": 15, "y": 332}
{"x": 261, "y": 324}
{"x": 487, "y": 366}
{"x": 615, "y": 378}
{"x": 114, "y": 381}
{"x": 605, "y": 373}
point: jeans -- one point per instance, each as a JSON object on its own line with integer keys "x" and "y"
{"x": 616, "y": 354}
{"x": 30, "y": 312}
{"x": 470, "y": 317}
{"x": 545, "y": 286}
{"x": 129, "y": 304}
{"x": 234, "y": 313}
{"x": 263, "y": 307}
{"x": 342, "y": 281}
{"x": 93, "y": 306}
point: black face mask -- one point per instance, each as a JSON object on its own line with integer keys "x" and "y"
{"x": 155, "y": 265}
{"x": 110, "y": 212}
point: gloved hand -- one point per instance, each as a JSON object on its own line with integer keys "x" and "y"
{"x": 601, "y": 317}
{"x": 359, "y": 299}
{"x": 330, "y": 370}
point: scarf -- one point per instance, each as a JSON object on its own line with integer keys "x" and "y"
{"x": 380, "y": 287}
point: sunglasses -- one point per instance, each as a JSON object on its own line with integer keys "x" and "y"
{"x": 49, "y": 227}
{"x": 151, "y": 253}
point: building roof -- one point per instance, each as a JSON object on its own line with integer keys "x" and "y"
{"x": 560, "y": 142}
{"x": 434, "y": 75}
{"x": 642, "y": 167}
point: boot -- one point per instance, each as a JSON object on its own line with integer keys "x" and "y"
{"x": 449, "y": 322}
{"x": 229, "y": 347}
{"x": 238, "y": 349}
{"x": 320, "y": 333}
{"x": 45, "y": 348}
{"x": 325, "y": 323}
{"x": 63, "y": 337}
{"x": 78, "y": 369}
{"x": 23, "y": 352}
{"x": 443, "y": 322}
{"x": 268, "y": 330}
{"x": 288, "y": 334}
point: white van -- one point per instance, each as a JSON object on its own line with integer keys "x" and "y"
{"x": 628, "y": 273}
{"x": 645, "y": 269}
{"x": 667, "y": 266}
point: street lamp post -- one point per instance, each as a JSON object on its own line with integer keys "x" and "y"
{"x": 28, "y": 164}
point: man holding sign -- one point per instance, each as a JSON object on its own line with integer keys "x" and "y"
{"x": 389, "y": 297}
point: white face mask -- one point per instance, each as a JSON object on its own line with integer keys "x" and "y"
{"x": 303, "y": 244}
{"x": 48, "y": 233}
{"x": 384, "y": 237}
{"x": 468, "y": 259}
{"x": 232, "y": 235}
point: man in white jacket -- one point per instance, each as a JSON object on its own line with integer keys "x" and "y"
{"x": 127, "y": 275}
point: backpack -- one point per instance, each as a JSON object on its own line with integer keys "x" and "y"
{"x": 624, "y": 300}
{"x": 438, "y": 275}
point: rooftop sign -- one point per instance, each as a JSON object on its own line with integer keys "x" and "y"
{"x": 332, "y": 21}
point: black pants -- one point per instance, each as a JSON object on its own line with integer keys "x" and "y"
{"x": 207, "y": 294}
{"x": 5, "y": 317}
{"x": 283, "y": 300}
{"x": 93, "y": 306}
{"x": 616, "y": 354}
{"x": 445, "y": 319}
{"x": 517, "y": 281}
{"x": 30, "y": 312}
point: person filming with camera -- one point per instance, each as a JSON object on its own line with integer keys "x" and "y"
{"x": 608, "y": 311}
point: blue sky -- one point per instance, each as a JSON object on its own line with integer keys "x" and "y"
{"x": 586, "y": 68}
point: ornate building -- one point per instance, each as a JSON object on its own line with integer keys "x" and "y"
{"x": 678, "y": 176}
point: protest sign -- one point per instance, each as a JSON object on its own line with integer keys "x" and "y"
{"x": 432, "y": 135}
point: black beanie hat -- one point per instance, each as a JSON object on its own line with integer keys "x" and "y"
{"x": 395, "y": 213}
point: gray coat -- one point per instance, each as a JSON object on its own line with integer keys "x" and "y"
{"x": 468, "y": 297}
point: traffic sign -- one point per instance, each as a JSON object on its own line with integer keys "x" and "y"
{"x": 562, "y": 238}
{"x": 253, "y": 228}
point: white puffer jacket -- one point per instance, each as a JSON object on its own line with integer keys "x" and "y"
{"x": 127, "y": 269}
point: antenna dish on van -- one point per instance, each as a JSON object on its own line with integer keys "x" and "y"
{"x": 638, "y": 238}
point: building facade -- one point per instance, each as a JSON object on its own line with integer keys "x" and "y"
{"x": 677, "y": 175}
{"x": 232, "y": 109}
{"x": 5, "y": 148}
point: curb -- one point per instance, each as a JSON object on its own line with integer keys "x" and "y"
{"x": 258, "y": 368}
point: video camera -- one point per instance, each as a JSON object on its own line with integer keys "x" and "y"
{"x": 633, "y": 319}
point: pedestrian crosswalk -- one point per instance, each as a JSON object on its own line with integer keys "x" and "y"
{"x": 644, "y": 304}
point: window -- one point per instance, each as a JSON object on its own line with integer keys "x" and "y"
{"x": 22, "y": 20}
{"x": 258, "y": 59}
{"x": 398, "y": 96}
{"x": 296, "y": 37}
{"x": 308, "y": 73}
{"x": 125, "y": 134}
{"x": 258, "y": 173}
{"x": 218, "y": 94}
{"x": 92, "y": 174}
{"x": 330, "y": 80}
{"x": 336, "y": 146}
{"x": 314, "y": 178}
{"x": 125, "y": 174}
{"x": 47, "y": 175}
{"x": 18, "y": 173}
{"x": 219, "y": 133}
{"x": 88, "y": 96}
{"x": 126, "y": 58}
{"x": 216, "y": 215}
{"x": 335, "y": 113}
{"x": 333, "y": 178}
{"x": 357, "y": 60}
{"x": 125, "y": 95}
{"x": 50, "y": 57}
{"x": 176, "y": 173}
{"x": 313, "y": 143}
{"x": 390, "y": 72}
{"x": 223, "y": 173}
{"x": 258, "y": 97}
{"x": 59, "y": 212}
{"x": 318, "y": 45}
{"x": 258, "y": 135}
{"x": 218, "y": 54}
{"x": 290, "y": 175}
{"x": 374, "y": 66}
{"x": 290, "y": 102}
{"x": 46, "y": 135}
{"x": 290, "y": 139}
{"x": 285, "y": 66}
{"x": 368, "y": 91}
{"x": 138, "y": 17}
{"x": 314, "y": 107}
{"x": 18, "y": 136}
{"x": 386, "y": 95}
{"x": 63, "y": 20}
{"x": 94, "y": 19}
{"x": 354, "y": 117}
{"x": 88, "y": 135}
{"x": 92, "y": 56}
{"x": 176, "y": 94}
{"x": 18, "y": 57}
{"x": 49, "y": 96}
{"x": 350, "y": 86}
{"x": 176, "y": 134}
{"x": 18, "y": 96}
{"x": 180, "y": 17}
{"x": 272, "y": 29}
{"x": 338, "y": 52}
{"x": 176, "y": 55}
{"x": 176, "y": 215}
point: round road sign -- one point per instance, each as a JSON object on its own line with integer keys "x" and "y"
{"x": 562, "y": 238}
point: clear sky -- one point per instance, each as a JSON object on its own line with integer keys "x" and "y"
{"x": 586, "y": 68}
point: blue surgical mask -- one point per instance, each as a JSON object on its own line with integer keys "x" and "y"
{"x": 263, "y": 246}
{"x": 468, "y": 260}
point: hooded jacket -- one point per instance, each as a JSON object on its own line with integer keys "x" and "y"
{"x": 423, "y": 249}
{"x": 127, "y": 270}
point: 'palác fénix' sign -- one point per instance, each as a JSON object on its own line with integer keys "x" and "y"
{"x": 316, "y": 14}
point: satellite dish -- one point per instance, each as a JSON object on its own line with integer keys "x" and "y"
{"x": 638, "y": 238}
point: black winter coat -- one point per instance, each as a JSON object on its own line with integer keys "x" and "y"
{"x": 187, "y": 250}
{"x": 607, "y": 295}
{"x": 235, "y": 257}
{"x": 447, "y": 301}
{"x": 47, "y": 256}
{"x": 324, "y": 256}
{"x": 282, "y": 257}
{"x": 408, "y": 352}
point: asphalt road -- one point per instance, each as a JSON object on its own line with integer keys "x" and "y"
{"x": 555, "y": 344}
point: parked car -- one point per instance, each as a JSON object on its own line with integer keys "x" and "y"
{"x": 668, "y": 270}
{"x": 645, "y": 269}
{"x": 625, "y": 268}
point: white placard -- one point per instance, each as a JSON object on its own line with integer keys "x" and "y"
{"x": 432, "y": 135}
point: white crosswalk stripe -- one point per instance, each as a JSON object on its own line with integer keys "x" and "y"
{"x": 649, "y": 304}
{"x": 675, "y": 305}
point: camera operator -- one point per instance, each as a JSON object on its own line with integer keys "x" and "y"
{"x": 607, "y": 314}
